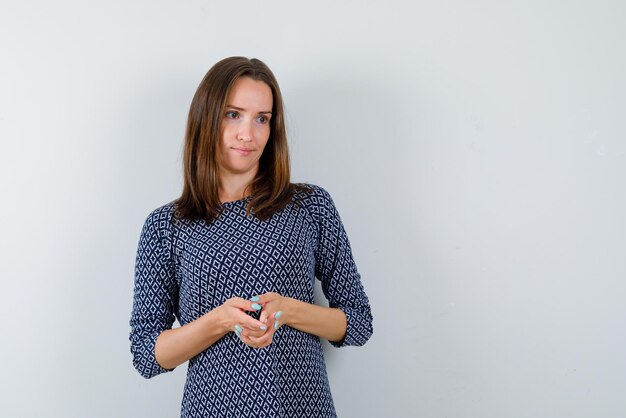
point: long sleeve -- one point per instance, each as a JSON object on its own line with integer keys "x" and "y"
{"x": 155, "y": 291}
{"x": 336, "y": 269}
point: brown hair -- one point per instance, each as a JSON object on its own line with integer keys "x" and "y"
{"x": 271, "y": 188}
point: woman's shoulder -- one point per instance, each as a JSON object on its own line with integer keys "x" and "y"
{"x": 316, "y": 199}
{"x": 161, "y": 218}
{"x": 311, "y": 193}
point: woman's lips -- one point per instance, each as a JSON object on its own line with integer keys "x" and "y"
{"x": 243, "y": 151}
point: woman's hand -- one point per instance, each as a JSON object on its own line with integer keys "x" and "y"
{"x": 175, "y": 346}
{"x": 274, "y": 314}
{"x": 275, "y": 309}
{"x": 233, "y": 317}
{"x": 278, "y": 310}
{"x": 328, "y": 323}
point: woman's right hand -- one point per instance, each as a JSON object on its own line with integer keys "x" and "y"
{"x": 177, "y": 345}
{"x": 233, "y": 317}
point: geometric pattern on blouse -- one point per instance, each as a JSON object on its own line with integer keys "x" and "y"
{"x": 184, "y": 268}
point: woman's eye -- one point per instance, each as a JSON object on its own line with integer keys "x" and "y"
{"x": 231, "y": 115}
{"x": 263, "y": 119}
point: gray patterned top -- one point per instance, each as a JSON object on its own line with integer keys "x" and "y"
{"x": 185, "y": 268}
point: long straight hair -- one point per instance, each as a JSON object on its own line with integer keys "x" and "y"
{"x": 271, "y": 189}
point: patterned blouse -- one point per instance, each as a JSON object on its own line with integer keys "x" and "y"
{"x": 185, "y": 268}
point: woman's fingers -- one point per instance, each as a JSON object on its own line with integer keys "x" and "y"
{"x": 277, "y": 319}
{"x": 244, "y": 304}
{"x": 258, "y": 342}
{"x": 250, "y": 325}
{"x": 234, "y": 314}
{"x": 264, "y": 298}
{"x": 258, "y": 333}
{"x": 263, "y": 317}
{"x": 272, "y": 319}
{"x": 257, "y": 339}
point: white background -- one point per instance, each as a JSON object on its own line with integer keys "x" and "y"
{"x": 476, "y": 152}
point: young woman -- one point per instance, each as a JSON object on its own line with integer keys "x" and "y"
{"x": 234, "y": 259}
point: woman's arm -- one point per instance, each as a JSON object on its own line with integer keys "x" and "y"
{"x": 337, "y": 271}
{"x": 327, "y": 323}
{"x": 348, "y": 321}
{"x": 176, "y": 346}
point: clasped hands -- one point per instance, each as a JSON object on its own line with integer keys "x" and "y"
{"x": 255, "y": 333}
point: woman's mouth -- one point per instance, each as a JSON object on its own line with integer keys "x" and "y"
{"x": 243, "y": 151}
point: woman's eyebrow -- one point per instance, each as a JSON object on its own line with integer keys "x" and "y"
{"x": 242, "y": 109}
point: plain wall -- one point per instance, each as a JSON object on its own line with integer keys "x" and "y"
{"x": 475, "y": 151}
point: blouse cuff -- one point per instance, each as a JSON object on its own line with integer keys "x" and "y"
{"x": 358, "y": 329}
{"x": 144, "y": 359}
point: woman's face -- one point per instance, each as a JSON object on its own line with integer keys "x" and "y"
{"x": 245, "y": 127}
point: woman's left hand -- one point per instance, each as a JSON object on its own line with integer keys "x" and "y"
{"x": 274, "y": 314}
{"x": 277, "y": 310}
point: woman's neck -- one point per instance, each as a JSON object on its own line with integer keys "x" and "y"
{"x": 235, "y": 186}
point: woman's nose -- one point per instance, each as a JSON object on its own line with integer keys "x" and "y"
{"x": 245, "y": 132}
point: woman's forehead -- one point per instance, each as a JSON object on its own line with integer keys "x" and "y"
{"x": 250, "y": 94}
